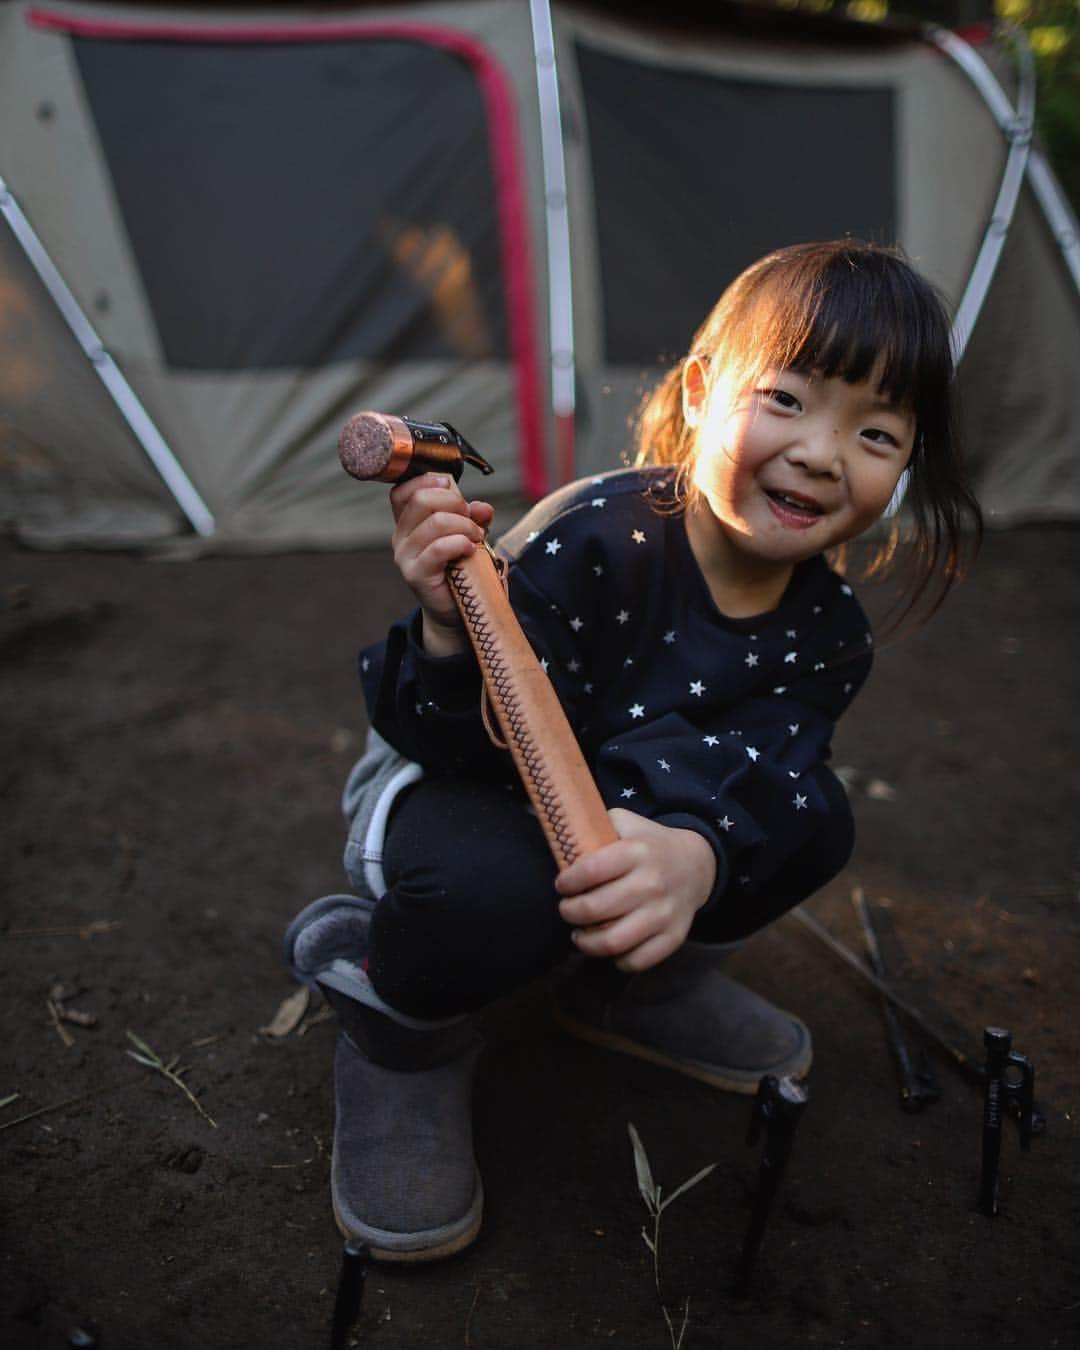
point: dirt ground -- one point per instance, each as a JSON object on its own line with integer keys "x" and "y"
{"x": 175, "y": 736}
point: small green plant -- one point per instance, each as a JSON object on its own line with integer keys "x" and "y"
{"x": 150, "y": 1057}
{"x": 656, "y": 1203}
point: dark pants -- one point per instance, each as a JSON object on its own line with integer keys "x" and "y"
{"x": 471, "y": 912}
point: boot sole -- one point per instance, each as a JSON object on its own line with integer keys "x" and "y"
{"x": 437, "y": 1253}
{"x": 743, "y": 1081}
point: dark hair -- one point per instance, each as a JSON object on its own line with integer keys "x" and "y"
{"x": 848, "y": 309}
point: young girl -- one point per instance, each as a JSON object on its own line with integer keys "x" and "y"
{"x": 703, "y": 650}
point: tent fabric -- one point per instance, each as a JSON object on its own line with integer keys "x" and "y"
{"x": 273, "y": 220}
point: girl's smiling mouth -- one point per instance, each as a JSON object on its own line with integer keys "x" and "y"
{"x": 792, "y": 508}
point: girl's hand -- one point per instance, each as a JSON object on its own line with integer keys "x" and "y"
{"x": 434, "y": 526}
{"x": 635, "y": 900}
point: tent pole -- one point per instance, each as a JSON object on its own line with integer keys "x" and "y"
{"x": 560, "y": 290}
{"x": 1018, "y": 125}
{"x": 133, "y": 412}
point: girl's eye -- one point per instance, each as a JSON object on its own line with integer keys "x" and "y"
{"x": 879, "y": 436}
{"x": 782, "y": 399}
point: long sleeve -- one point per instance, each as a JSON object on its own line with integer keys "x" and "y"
{"x": 684, "y": 715}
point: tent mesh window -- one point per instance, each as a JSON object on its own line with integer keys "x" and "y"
{"x": 294, "y": 204}
{"x": 695, "y": 177}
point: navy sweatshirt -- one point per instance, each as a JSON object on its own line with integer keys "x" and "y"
{"x": 686, "y": 716}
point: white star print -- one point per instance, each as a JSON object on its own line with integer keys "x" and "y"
{"x": 629, "y": 661}
{"x": 544, "y": 664}
{"x": 622, "y": 616}
{"x": 599, "y": 501}
{"x": 697, "y": 688}
{"x": 589, "y": 688}
{"x": 669, "y": 636}
{"x": 780, "y": 689}
{"x": 819, "y": 665}
{"x": 636, "y": 710}
{"x": 800, "y": 802}
{"x": 790, "y": 658}
{"x": 365, "y": 663}
{"x": 793, "y": 728}
{"x": 711, "y": 740}
{"x": 664, "y": 765}
{"x": 628, "y": 793}
{"x": 848, "y": 688}
{"x": 817, "y": 609}
{"x": 726, "y": 823}
{"x": 846, "y": 590}
{"x": 638, "y": 536}
{"x": 577, "y": 624}
{"x": 533, "y": 534}
{"x": 753, "y": 753}
{"x": 791, "y": 633}
{"x": 598, "y": 570}
{"x": 573, "y": 667}
{"x": 752, "y": 658}
{"x": 552, "y": 546}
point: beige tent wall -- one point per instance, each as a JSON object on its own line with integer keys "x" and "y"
{"x": 259, "y": 446}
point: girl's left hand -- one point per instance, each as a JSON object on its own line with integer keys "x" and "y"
{"x": 634, "y": 900}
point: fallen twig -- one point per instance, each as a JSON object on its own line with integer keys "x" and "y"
{"x": 85, "y": 930}
{"x": 61, "y": 1030}
{"x": 152, "y": 1060}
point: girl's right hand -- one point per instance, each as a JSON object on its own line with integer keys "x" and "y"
{"x": 435, "y": 526}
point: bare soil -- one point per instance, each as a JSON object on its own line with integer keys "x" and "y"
{"x": 175, "y": 736}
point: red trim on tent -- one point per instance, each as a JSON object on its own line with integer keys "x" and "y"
{"x": 510, "y": 202}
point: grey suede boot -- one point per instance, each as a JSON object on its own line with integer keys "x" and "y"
{"x": 403, "y": 1176}
{"x": 686, "y": 1015}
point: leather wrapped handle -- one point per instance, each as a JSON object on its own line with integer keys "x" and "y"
{"x": 530, "y": 716}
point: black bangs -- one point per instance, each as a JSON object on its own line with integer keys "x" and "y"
{"x": 851, "y": 312}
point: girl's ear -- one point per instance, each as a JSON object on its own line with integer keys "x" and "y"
{"x": 695, "y": 391}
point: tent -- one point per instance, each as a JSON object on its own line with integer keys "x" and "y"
{"x": 224, "y": 229}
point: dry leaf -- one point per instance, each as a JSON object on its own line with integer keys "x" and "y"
{"x": 289, "y": 1015}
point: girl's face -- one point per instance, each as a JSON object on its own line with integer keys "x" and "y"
{"x": 797, "y": 463}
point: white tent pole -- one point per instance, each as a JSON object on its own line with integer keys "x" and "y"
{"x": 560, "y": 292}
{"x": 107, "y": 370}
{"x": 1057, "y": 210}
{"x": 1018, "y": 125}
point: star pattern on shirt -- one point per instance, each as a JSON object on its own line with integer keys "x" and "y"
{"x": 796, "y": 643}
